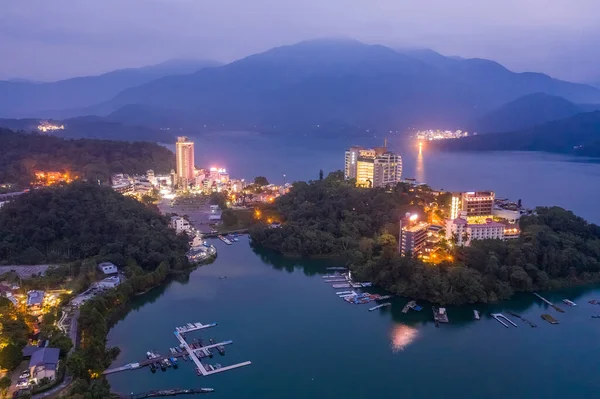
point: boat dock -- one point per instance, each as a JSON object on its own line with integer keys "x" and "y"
{"x": 383, "y": 305}
{"x": 499, "y": 317}
{"x": 518, "y": 316}
{"x": 439, "y": 316}
{"x": 549, "y": 319}
{"x": 192, "y": 352}
{"x": 549, "y": 303}
{"x": 407, "y": 307}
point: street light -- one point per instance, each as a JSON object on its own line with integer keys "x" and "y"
{"x": 284, "y": 179}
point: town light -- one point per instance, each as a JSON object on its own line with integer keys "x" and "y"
{"x": 413, "y": 217}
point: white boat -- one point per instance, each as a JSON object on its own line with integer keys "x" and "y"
{"x": 476, "y": 314}
{"x": 569, "y": 302}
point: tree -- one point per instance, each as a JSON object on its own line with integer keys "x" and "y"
{"x": 10, "y": 357}
{"x": 76, "y": 365}
{"x": 261, "y": 181}
{"x": 62, "y": 342}
{"x": 5, "y": 383}
{"x": 321, "y": 174}
{"x": 229, "y": 218}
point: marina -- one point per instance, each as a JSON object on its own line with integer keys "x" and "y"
{"x": 193, "y": 351}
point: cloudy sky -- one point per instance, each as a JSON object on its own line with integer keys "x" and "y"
{"x": 46, "y": 40}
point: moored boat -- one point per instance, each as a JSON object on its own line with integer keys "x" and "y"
{"x": 476, "y": 314}
{"x": 569, "y": 302}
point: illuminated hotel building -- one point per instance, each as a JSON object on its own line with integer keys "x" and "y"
{"x": 387, "y": 170}
{"x": 472, "y": 204}
{"x": 184, "y": 154}
{"x": 372, "y": 167}
{"x": 413, "y": 236}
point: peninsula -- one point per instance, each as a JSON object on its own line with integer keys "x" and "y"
{"x": 549, "y": 247}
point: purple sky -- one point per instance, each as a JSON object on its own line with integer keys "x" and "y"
{"x": 47, "y": 40}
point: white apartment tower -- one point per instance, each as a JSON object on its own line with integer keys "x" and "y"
{"x": 387, "y": 169}
{"x": 184, "y": 157}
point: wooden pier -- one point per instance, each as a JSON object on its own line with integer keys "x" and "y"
{"x": 187, "y": 350}
{"x": 549, "y": 303}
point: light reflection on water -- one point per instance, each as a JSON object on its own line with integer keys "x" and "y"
{"x": 402, "y": 336}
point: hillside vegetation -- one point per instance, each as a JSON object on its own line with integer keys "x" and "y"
{"x": 82, "y": 220}
{"x": 23, "y": 154}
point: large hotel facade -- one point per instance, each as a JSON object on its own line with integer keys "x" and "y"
{"x": 184, "y": 157}
{"x": 372, "y": 167}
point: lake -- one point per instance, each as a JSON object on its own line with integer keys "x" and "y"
{"x": 536, "y": 178}
{"x": 304, "y": 342}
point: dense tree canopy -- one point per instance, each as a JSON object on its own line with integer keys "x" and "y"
{"x": 22, "y": 154}
{"x": 331, "y": 217}
{"x": 82, "y": 220}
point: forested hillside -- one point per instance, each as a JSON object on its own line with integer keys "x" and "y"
{"x": 22, "y": 154}
{"x": 83, "y": 220}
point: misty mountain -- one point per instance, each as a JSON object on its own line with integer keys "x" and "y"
{"x": 340, "y": 80}
{"x": 20, "y": 98}
{"x": 529, "y": 110}
{"x": 579, "y": 134}
{"x": 92, "y": 127}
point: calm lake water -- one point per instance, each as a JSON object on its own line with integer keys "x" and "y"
{"x": 304, "y": 342}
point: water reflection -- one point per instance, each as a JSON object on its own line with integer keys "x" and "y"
{"x": 401, "y": 336}
{"x": 420, "y": 169}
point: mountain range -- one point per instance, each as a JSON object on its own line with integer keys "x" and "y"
{"x": 21, "y": 98}
{"x": 320, "y": 82}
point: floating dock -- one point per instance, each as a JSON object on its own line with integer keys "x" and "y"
{"x": 439, "y": 316}
{"x": 383, "y": 305}
{"x": 500, "y": 317}
{"x": 407, "y": 307}
{"x": 166, "y": 392}
{"x": 341, "y": 285}
{"x": 518, "y": 316}
{"x": 192, "y": 351}
{"x": 549, "y": 303}
{"x": 549, "y": 319}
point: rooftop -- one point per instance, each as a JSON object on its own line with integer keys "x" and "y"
{"x": 44, "y": 357}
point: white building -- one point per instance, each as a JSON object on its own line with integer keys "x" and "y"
{"x": 107, "y": 268}
{"x": 179, "y": 224}
{"x": 387, "y": 170}
{"x": 464, "y": 232}
{"x": 512, "y": 216}
{"x": 109, "y": 282}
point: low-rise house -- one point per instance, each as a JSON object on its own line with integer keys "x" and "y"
{"x": 108, "y": 268}
{"x": 35, "y": 300}
{"x": 109, "y": 282}
{"x": 44, "y": 363}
